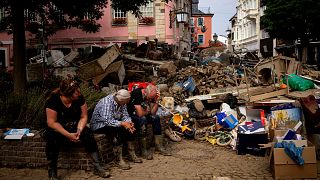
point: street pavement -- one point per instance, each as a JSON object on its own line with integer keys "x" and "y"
{"x": 191, "y": 160}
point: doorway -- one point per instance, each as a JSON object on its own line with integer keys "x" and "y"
{"x": 2, "y": 58}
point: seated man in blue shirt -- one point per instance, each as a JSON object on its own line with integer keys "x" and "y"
{"x": 142, "y": 109}
{"x": 110, "y": 117}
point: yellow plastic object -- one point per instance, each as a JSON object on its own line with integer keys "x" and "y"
{"x": 177, "y": 119}
{"x": 211, "y": 140}
{"x": 185, "y": 127}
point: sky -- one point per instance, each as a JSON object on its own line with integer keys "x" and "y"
{"x": 223, "y": 10}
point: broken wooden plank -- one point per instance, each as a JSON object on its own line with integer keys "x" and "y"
{"x": 268, "y": 95}
{"x": 144, "y": 60}
{"x": 301, "y": 94}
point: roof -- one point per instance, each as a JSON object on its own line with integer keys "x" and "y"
{"x": 195, "y": 1}
{"x": 233, "y": 17}
{"x": 195, "y": 10}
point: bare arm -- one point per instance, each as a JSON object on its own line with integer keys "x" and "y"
{"x": 154, "y": 108}
{"x": 55, "y": 125}
{"x": 83, "y": 119}
{"x": 141, "y": 111}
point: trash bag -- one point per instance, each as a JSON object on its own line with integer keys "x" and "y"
{"x": 231, "y": 100}
{"x": 298, "y": 83}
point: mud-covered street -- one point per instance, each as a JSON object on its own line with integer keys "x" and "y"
{"x": 191, "y": 160}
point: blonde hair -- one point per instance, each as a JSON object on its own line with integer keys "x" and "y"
{"x": 150, "y": 88}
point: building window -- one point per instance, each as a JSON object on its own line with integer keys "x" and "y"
{"x": 87, "y": 16}
{"x": 192, "y": 30}
{"x": 31, "y": 16}
{"x": 117, "y": 13}
{"x": 2, "y": 13}
{"x": 147, "y": 10}
{"x": 201, "y": 39}
{"x": 191, "y": 22}
{"x": 200, "y": 21}
{"x": 119, "y": 17}
{"x": 147, "y": 14}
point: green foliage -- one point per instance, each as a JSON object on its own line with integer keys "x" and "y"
{"x": 23, "y": 111}
{"x": 91, "y": 95}
{"x": 292, "y": 19}
{"x": 27, "y": 110}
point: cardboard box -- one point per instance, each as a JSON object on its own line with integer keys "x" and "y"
{"x": 273, "y": 133}
{"x": 284, "y": 167}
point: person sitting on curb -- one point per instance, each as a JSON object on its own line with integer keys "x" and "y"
{"x": 110, "y": 117}
{"x": 142, "y": 109}
{"x": 66, "y": 113}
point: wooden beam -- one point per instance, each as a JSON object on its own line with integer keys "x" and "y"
{"x": 143, "y": 60}
{"x": 268, "y": 95}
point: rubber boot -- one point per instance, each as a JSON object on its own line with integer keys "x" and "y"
{"x": 52, "y": 170}
{"x": 146, "y": 154}
{"x": 158, "y": 140}
{"x": 132, "y": 152}
{"x": 121, "y": 163}
{"x": 98, "y": 170}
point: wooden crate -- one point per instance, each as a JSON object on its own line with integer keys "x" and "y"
{"x": 98, "y": 66}
{"x": 117, "y": 69}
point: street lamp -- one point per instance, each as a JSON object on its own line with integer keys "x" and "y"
{"x": 180, "y": 16}
{"x": 215, "y": 37}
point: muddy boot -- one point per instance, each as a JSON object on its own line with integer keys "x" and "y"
{"x": 158, "y": 140}
{"x": 52, "y": 170}
{"x": 144, "y": 152}
{"x": 132, "y": 152}
{"x": 121, "y": 163}
{"x": 98, "y": 170}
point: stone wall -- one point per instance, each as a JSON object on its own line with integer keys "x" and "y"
{"x": 30, "y": 152}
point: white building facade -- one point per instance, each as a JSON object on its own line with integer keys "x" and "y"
{"x": 246, "y": 29}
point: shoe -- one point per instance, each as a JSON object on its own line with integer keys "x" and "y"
{"x": 132, "y": 152}
{"x": 158, "y": 140}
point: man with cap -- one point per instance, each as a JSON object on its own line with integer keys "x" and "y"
{"x": 110, "y": 117}
{"x": 142, "y": 109}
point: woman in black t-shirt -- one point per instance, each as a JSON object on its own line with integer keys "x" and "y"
{"x": 66, "y": 112}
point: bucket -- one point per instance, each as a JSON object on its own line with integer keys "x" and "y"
{"x": 189, "y": 85}
{"x": 177, "y": 119}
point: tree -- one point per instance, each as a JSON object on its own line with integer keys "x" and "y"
{"x": 50, "y": 16}
{"x": 293, "y": 20}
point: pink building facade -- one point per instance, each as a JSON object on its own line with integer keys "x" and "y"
{"x": 116, "y": 27}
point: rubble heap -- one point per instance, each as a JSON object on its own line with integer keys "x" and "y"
{"x": 206, "y": 78}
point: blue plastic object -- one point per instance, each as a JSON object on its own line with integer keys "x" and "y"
{"x": 220, "y": 117}
{"x": 188, "y": 85}
{"x": 229, "y": 122}
{"x": 295, "y": 153}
